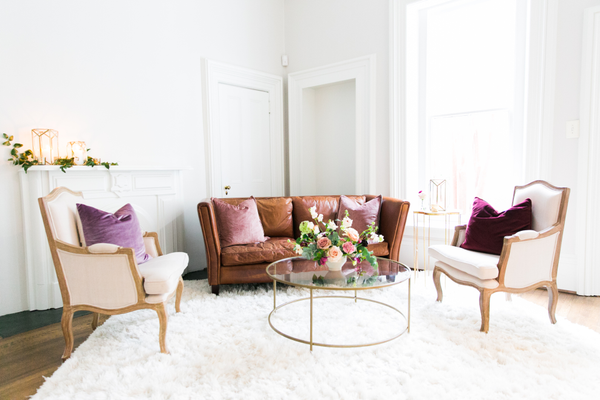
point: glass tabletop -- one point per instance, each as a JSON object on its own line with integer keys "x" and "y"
{"x": 298, "y": 271}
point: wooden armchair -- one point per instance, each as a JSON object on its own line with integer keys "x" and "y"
{"x": 529, "y": 259}
{"x": 105, "y": 278}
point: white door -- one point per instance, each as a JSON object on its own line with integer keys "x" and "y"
{"x": 244, "y": 141}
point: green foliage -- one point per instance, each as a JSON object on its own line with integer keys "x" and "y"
{"x": 26, "y": 160}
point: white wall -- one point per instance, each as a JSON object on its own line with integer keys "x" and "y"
{"x": 123, "y": 76}
{"x": 319, "y": 33}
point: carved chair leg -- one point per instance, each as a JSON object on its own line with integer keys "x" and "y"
{"x": 67, "y": 328}
{"x": 552, "y": 301}
{"x": 178, "y": 295}
{"x": 95, "y": 320}
{"x": 163, "y": 317}
{"x": 484, "y": 305}
{"x": 215, "y": 289}
{"x": 436, "y": 281}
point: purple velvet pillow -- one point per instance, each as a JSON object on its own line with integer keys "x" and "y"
{"x": 487, "y": 227}
{"x": 121, "y": 228}
{"x": 238, "y": 224}
{"x": 361, "y": 215}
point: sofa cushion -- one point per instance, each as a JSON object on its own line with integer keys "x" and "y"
{"x": 276, "y": 216}
{"x": 480, "y": 265}
{"x": 238, "y": 224}
{"x": 161, "y": 274}
{"x": 269, "y": 251}
{"x": 362, "y": 215}
{"x": 326, "y": 205}
{"x": 379, "y": 249}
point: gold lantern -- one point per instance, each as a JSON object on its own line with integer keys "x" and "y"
{"x": 44, "y": 144}
{"x": 437, "y": 195}
{"x": 77, "y": 151}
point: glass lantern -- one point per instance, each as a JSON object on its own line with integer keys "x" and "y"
{"x": 77, "y": 151}
{"x": 437, "y": 195}
{"x": 44, "y": 144}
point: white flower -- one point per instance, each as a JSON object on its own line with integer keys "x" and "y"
{"x": 381, "y": 238}
{"x": 313, "y": 212}
{"x": 298, "y": 249}
{"x": 331, "y": 225}
{"x": 316, "y": 229}
{"x": 320, "y": 218}
{"x": 346, "y": 223}
{"x": 311, "y": 226}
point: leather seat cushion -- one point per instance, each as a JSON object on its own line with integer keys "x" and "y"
{"x": 267, "y": 252}
{"x": 379, "y": 249}
{"x": 161, "y": 274}
{"x": 326, "y": 205}
{"x": 480, "y": 265}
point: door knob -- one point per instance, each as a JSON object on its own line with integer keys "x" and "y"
{"x": 227, "y": 189}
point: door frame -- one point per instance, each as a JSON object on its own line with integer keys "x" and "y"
{"x": 216, "y": 73}
{"x": 362, "y": 71}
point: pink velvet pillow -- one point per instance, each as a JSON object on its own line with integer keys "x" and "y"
{"x": 361, "y": 215}
{"x": 238, "y": 224}
{"x": 487, "y": 227}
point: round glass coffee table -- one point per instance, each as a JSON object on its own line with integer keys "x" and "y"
{"x": 299, "y": 272}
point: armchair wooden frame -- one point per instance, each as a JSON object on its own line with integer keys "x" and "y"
{"x": 509, "y": 241}
{"x": 57, "y": 246}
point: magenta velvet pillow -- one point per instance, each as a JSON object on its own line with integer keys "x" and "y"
{"x": 238, "y": 224}
{"x": 361, "y": 215}
{"x": 121, "y": 228}
{"x": 487, "y": 227}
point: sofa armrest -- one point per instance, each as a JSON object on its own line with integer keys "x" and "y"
{"x": 208, "y": 223}
{"x": 392, "y": 222}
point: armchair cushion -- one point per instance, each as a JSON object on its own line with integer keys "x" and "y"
{"x": 161, "y": 274}
{"x": 121, "y": 228}
{"x": 480, "y": 265}
{"x": 487, "y": 227}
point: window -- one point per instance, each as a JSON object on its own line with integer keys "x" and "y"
{"x": 466, "y": 98}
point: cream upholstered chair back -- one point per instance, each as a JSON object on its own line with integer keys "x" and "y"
{"x": 62, "y": 216}
{"x": 530, "y": 262}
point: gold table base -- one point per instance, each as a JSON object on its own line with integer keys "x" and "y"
{"x": 312, "y": 343}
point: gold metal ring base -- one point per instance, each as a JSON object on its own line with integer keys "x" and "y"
{"x": 338, "y": 345}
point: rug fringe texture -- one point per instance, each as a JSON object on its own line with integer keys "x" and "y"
{"x": 222, "y": 347}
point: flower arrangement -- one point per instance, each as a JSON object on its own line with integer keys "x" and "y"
{"x": 329, "y": 245}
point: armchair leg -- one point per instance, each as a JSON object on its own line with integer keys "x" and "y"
{"x": 552, "y": 301}
{"x": 178, "y": 295}
{"x": 95, "y": 321}
{"x": 484, "y": 305}
{"x": 215, "y": 289}
{"x": 163, "y": 317}
{"x": 436, "y": 281}
{"x": 67, "y": 328}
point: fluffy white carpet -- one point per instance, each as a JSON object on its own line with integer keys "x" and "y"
{"x": 223, "y": 348}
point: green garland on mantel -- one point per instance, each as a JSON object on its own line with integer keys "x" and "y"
{"x": 26, "y": 160}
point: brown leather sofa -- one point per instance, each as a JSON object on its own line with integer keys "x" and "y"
{"x": 280, "y": 217}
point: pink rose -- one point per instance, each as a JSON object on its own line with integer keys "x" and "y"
{"x": 334, "y": 254}
{"x": 352, "y": 234}
{"x": 348, "y": 248}
{"x": 323, "y": 243}
{"x": 322, "y": 261}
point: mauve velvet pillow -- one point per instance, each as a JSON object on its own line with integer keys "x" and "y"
{"x": 121, "y": 228}
{"x": 361, "y": 215}
{"x": 487, "y": 227}
{"x": 238, "y": 224}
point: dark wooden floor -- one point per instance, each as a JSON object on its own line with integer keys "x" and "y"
{"x": 27, "y": 357}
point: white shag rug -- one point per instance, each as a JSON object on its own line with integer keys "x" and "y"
{"x": 223, "y": 348}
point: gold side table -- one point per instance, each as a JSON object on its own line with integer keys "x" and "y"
{"x": 426, "y": 231}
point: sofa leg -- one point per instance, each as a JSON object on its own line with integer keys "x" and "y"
{"x": 215, "y": 289}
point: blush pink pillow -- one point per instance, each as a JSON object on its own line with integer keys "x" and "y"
{"x": 487, "y": 227}
{"x": 238, "y": 224}
{"x": 121, "y": 228}
{"x": 362, "y": 215}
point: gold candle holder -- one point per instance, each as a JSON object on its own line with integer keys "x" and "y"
{"x": 437, "y": 195}
{"x": 44, "y": 144}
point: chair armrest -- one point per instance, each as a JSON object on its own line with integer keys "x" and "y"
{"x": 102, "y": 275}
{"x": 459, "y": 235}
{"x": 392, "y": 221}
{"x": 152, "y": 245}
{"x": 210, "y": 232}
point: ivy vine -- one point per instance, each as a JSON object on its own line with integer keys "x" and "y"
{"x": 26, "y": 159}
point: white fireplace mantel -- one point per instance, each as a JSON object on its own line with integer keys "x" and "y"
{"x": 154, "y": 192}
